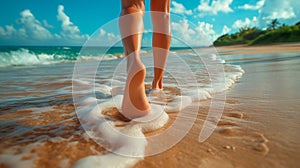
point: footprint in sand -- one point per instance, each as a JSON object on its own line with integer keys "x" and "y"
{"x": 113, "y": 114}
{"x": 235, "y": 115}
{"x": 226, "y": 123}
{"x": 255, "y": 140}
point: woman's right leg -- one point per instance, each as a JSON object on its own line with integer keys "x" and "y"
{"x": 135, "y": 103}
{"x": 160, "y": 12}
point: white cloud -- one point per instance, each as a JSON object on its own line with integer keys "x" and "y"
{"x": 213, "y": 7}
{"x": 246, "y": 23}
{"x": 257, "y": 6}
{"x": 182, "y": 30}
{"x": 113, "y": 37}
{"x": 285, "y": 11}
{"x": 103, "y": 38}
{"x": 207, "y": 29}
{"x": 7, "y": 31}
{"x": 179, "y": 9}
{"x": 69, "y": 30}
{"x": 46, "y": 24}
{"x": 287, "y": 14}
{"x": 102, "y": 32}
{"x": 32, "y": 31}
{"x": 32, "y": 27}
{"x": 201, "y": 34}
{"x": 225, "y": 30}
{"x": 275, "y": 9}
{"x": 280, "y": 9}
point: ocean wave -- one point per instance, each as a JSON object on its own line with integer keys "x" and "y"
{"x": 98, "y": 58}
{"x": 49, "y": 116}
{"x": 25, "y": 57}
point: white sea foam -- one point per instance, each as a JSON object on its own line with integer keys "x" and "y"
{"x": 178, "y": 103}
{"x": 103, "y": 88}
{"x": 127, "y": 143}
{"x": 12, "y": 157}
{"x": 15, "y": 161}
{"x": 110, "y": 160}
{"x": 25, "y": 57}
{"x": 99, "y": 57}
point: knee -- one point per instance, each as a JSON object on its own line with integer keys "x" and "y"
{"x": 133, "y": 9}
{"x": 160, "y": 18}
{"x": 161, "y": 22}
{"x": 131, "y": 20}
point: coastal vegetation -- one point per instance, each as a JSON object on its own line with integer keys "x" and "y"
{"x": 274, "y": 33}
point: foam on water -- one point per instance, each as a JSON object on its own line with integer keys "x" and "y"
{"x": 11, "y": 159}
{"x": 34, "y": 55}
{"x": 178, "y": 103}
{"x": 127, "y": 144}
{"x": 23, "y": 57}
{"x": 100, "y": 94}
{"x": 16, "y": 160}
{"x": 26, "y": 57}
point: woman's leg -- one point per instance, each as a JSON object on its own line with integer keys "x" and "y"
{"x": 161, "y": 38}
{"x": 135, "y": 103}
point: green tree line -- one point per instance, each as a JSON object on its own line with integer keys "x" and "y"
{"x": 275, "y": 33}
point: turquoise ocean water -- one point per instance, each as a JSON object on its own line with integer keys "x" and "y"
{"x": 40, "y": 55}
{"x": 37, "y": 86}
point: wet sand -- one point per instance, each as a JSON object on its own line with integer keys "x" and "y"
{"x": 244, "y": 49}
{"x": 260, "y": 123}
{"x": 259, "y": 126}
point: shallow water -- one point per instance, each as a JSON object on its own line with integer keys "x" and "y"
{"x": 268, "y": 93}
{"x": 38, "y": 119}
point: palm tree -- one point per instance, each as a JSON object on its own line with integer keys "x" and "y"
{"x": 274, "y": 24}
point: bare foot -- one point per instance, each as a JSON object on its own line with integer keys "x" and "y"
{"x": 135, "y": 103}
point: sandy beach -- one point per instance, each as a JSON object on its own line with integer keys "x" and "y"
{"x": 259, "y": 126}
{"x": 244, "y": 49}
{"x": 260, "y": 123}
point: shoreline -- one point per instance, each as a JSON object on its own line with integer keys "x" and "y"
{"x": 259, "y": 49}
{"x": 246, "y": 136}
{"x": 258, "y": 127}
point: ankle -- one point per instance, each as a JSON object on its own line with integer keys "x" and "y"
{"x": 136, "y": 67}
{"x": 156, "y": 85}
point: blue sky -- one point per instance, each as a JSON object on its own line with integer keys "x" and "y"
{"x": 67, "y": 22}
